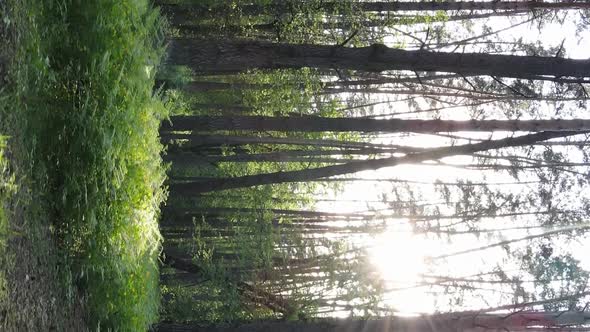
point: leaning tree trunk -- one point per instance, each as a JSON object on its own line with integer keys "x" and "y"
{"x": 239, "y": 56}
{"x": 320, "y": 124}
{"x": 192, "y": 188}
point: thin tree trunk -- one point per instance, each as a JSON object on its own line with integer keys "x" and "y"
{"x": 219, "y": 140}
{"x": 187, "y": 21}
{"x": 435, "y": 109}
{"x": 224, "y": 108}
{"x": 239, "y": 56}
{"x": 515, "y": 321}
{"x": 357, "y": 166}
{"x": 320, "y": 124}
{"x": 180, "y": 11}
{"x": 392, "y": 6}
{"x": 389, "y": 80}
{"x": 582, "y": 227}
{"x": 278, "y": 156}
{"x": 204, "y": 86}
{"x": 259, "y": 158}
{"x": 225, "y": 211}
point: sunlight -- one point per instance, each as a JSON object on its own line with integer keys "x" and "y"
{"x": 400, "y": 256}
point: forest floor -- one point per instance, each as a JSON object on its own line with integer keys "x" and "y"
{"x": 32, "y": 296}
{"x": 80, "y": 169}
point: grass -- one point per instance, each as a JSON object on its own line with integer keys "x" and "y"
{"x": 85, "y": 126}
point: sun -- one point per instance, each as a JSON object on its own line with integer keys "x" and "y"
{"x": 401, "y": 258}
{"x": 400, "y": 255}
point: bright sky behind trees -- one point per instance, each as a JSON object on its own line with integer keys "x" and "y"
{"x": 402, "y": 257}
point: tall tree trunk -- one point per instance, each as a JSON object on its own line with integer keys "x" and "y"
{"x": 224, "y": 108}
{"x": 178, "y": 11}
{"x": 277, "y": 156}
{"x": 357, "y": 166}
{"x": 205, "y": 86}
{"x": 238, "y": 56}
{"x": 382, "y": 80}
{"x": 319, "y": 124}
{"x": 284, "y": 212}
{"x": 515, "y": 321}
{"x": 393, "y": 6}
{"x": 200, "y": 141}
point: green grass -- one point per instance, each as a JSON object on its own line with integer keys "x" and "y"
{"x": 83, "y": 76}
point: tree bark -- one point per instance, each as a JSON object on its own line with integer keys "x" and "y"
{"x": 320, "y": 124}
{"x": 357, "y": 166}
{"x": 212, "y": 57}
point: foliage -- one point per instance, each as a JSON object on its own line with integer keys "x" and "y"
{"x": 84, "y": 72}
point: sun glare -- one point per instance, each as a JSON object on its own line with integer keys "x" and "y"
{"x": 400, "y": 255}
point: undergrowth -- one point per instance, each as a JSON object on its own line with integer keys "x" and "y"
{"x": 84, "y": 76}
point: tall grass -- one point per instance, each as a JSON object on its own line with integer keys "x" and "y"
{"x": 85, "y": 73}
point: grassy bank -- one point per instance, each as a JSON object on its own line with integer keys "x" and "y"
{"x": 84, "y": 131}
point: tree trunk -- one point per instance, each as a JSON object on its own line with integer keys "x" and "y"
{"x": 515, "y": 321}
{"x": 383, "y": 6}
{"x": 382, "y": 80}
{"x": 178, "y": 12}
{"x": 357, "y": 166}
{"x": 200, "y": 141}
{"x": 204, "y": 86}
{"x": 284, "y": 212}
{"x": 277, "y": 156}
{"x": 224, "y": 108}
{"x": 320, "y": 124}
{"x": 239, "y": 56}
